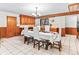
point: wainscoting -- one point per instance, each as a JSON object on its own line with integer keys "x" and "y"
{"x": 12, "y": 29}
{"x": 72, "y": 31}
{"x": 3, "y": 32}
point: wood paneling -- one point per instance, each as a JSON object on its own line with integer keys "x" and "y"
{"x": 71, "y": 31}
{"x": 54, "y": 29}
{"x": 60, "y": 14}
{"x": 11, "y": 29}
{"x": 18, "y": 31}
{"x": 73, "y": 7}
{"x": 73, "y": 4}
{"x": 11, "y": 26}
{"x": 2, "y": 32}
{"x": 27, "y": 20}
{"x": 63, "y": 32}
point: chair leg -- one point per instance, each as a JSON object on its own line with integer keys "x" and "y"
{"x": 25, "y": 39}
{"x": 28, "y": 41}
{"x": 43, "y": 43}
{"x": 47, "y": 44}
{"x": 38, "y": 45}
{"x": 59, "y": 43}
{"x": 34, "y": 44}
{"x": 32, "y": 39}
{"x": 51, "y": 45}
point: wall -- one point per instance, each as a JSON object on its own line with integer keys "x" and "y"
{"x": 3, "y": 23}
{"x": 71, "y": 25}
{"x": 37, "y": 22}
{"x": 59, "y": 23}
{"x": 71, "y": 21}
{"x": 3, "y": 20}
{"x": 68, "y": 24}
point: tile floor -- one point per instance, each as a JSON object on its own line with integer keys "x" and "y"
{"x": 15, "y": 46}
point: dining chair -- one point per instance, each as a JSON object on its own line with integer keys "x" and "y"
{"x": 37, "y": 41}
{"x": 27, "y": 37}
{"x": 57, "y": 40}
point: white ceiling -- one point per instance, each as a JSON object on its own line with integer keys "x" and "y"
{"x": 29, "y": 8}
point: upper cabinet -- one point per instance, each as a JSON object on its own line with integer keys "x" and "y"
{"x": 27, "y": 20}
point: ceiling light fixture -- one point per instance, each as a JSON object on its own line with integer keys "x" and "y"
{"x": 36, "y": 14}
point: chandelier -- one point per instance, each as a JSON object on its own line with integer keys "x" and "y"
{"x": 36, "y": 14}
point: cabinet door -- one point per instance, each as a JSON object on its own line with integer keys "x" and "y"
{"x": 27, "y": 20}
{"x": 22, "y": 19}
{"x": 33, "y": 21}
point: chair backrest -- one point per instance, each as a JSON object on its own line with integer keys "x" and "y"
{"x": 22, "y": 32}
{"x": 57, "y": 36}
{"x": 36, "y": 32}
{"x": 47, "y": 28}
{"x": 25, "y": 30}
{"x": 38, "y": 27}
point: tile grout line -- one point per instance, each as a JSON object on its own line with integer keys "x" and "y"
{"x": 69, "y": 45}
{"x": 62, "y": 45}
{"x": 13, "y": 43}
{"x": 16, "y": 48}
{"x": 76, "y": 46}
{"x": 7, "y": 49}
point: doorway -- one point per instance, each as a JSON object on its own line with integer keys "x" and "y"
{"x": 11, "y": 26}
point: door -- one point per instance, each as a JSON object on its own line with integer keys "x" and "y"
{"x": 11, "y": 26}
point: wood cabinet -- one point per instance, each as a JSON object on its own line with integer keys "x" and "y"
{"x": 27, "y": 20}
{"x": 23, "y": 20}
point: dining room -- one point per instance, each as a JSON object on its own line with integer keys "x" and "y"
{"x": 39, "y": 29}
